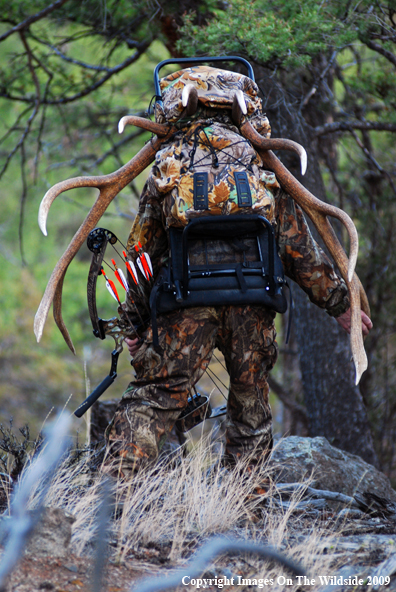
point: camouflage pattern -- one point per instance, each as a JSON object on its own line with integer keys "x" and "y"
{"x": 304, "y": 261}
{"x": 154, "y": 400}
{"x": 192, "y": 152}
{"x": 216, "y": 90}
{"x": 246, "y": 335}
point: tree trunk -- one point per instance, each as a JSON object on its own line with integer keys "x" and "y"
{"x": 334, "y": 404}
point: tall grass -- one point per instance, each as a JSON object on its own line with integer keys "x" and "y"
{"x": 173, "y": 507}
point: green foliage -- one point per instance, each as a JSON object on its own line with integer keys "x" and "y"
{"x": 287, "y": 33}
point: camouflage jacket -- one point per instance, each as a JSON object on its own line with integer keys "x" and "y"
{"x": 214, "y": 145}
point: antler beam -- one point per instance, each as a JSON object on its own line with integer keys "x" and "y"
{"x": 318, "y": 212}
{"x": 109, "y": 186}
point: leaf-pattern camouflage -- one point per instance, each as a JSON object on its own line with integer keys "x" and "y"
{"x": 216, "y": 89}
{"x": 210, "y": 142}
{"x": 304, "y": 261}
{"x": 192, "y": 152}
{"x": 154, "y": 400}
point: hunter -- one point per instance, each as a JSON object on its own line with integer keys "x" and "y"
{"x": 194, "y": 176}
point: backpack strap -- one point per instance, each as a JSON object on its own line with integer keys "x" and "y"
{"x": 243, "y": 189}
{"x": 201, "y": 201}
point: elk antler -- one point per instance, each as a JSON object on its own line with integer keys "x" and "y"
{"x": 318, "y": 212}
{"x": 151, "y": 126}
{"x": 238, "y": 112}
{"x": 109, "y": 186}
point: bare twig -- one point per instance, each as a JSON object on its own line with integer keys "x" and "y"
{"x": 315, "y": 86}
{"x": 381, "y": 50}
{"x": 14, "y": 127}
{"x": 373, "y": 160}
{"x": 87, "y": 90}
{"x": 77, "y": 62}
{"x": 36, "y": 105}
{"x": 22, "y": 204}
{"x": 32, "y": 19}
{"x": 346, "y": 126}
{"x": 318, "y": 493}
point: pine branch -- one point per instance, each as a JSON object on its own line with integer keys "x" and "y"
{"x": 33, "y": 18}
{"x": 347, "y": 126}
{"x": 381, "y": 50}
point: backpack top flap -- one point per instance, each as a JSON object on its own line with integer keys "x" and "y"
{"x": 216, "y": 89}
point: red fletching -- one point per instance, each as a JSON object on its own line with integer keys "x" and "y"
{"x": 146, "y": 266}
{"x": 120, "y": 276}
{"x": 144, "y": 263}
{"x": 111, "y": 287}
{"x": 131, "y": 268}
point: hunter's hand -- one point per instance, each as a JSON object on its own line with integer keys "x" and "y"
{"x": 133, "y": 345}
{"x": 345, "y": 321}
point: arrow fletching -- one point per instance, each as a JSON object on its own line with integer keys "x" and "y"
{"x": 131, "y": 268}
{"x": 120, "y": 276}
{"x": 143, "y": 268}
{"x": 144, "y": 262}
{"x": 111, "y": 288}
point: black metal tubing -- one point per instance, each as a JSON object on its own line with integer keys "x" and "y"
{"x": 196, "y": 61}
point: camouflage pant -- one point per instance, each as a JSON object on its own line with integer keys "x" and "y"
{"x": 154, "y": 400}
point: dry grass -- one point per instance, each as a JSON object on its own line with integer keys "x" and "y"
{"x": 167, "y": 512}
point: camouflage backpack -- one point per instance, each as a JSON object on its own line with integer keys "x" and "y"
{"x": 217, "y": 202}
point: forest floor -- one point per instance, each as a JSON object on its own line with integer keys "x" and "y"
{"x": 358, "y": 551}
{"x": 158, "y": 525}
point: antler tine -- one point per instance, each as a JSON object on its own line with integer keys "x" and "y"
{"x": 238, "y": 113}
{"x": 53, "y": 290}
{"x": 283, "y": 144}
{"x": 160, "y": 129}
{"x": 190, "y": 99}
{"x": 63, "y": 186}
{"x": 241, "y": 101}
{"x": 110, "y": 186}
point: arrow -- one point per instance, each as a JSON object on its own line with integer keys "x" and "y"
{"x": 131, "y": 268}
{"x": 144, "y": 262}
{"x": 111, "y": 287}
{"x": 120, "y": 276}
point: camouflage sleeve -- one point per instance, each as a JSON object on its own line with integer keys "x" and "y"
{"x": 148, "y": 229}
{"x": 305, "y": 262}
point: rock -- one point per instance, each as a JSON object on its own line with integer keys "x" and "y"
{"x": 296, "y": 459}
{"x": 52, "y": 534}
